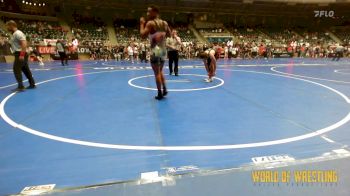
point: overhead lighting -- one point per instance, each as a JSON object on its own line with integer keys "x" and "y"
{"x": 30, "y": 3}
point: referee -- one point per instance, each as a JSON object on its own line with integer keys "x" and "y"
{"x": 19, "y": 48}
{"x": 339, "y": 52}
{"x": 173, "y": 44}
{"x": 60, "y": 47}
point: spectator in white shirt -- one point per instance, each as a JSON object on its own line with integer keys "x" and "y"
{"x": 131, "y": 53}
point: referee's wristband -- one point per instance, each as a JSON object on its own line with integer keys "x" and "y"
{"x": 22, "y": 54}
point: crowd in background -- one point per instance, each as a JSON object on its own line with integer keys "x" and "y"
{"x": 89, "y": 29}
{"x": 245, "y": 43}
{"x": 136, "y": 51}
{"x": 37, "y": 31}
{"x": 226, "y": 50}
{"x": 4, "y": 44}
{"x": 253, "y": 50}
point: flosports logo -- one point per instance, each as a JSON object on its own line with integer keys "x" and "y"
{"x": 324, "y": 13}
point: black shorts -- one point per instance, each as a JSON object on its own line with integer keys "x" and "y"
{"x": 62, "y": 54}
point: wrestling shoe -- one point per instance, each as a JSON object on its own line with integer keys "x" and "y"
{"x": 18, "y": 89}
{"x": 31, "y": 87}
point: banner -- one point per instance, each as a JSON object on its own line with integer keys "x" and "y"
{"x": 52, "y": 50}
{"x": 51, "y": 42}
{"x": 83, "y": 50}
{"x": 46, "y": 49}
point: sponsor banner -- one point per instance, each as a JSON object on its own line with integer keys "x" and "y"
{"x": 83, "y": 50}
{"x": 272, "y": 159}
{"x": 46, "y": 49}
{"x": 52, "y": 50}
{"x": 37, "y": 190}
{"x": 51, "y": 42}
{"x": 181, "y": 170}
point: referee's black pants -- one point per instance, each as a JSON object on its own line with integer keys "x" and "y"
{"x": 20, "y": 66}
{"x": 63, "y": 57}
{"x": 143, "y": 56}
{"x": 173, "y": 58}
{"x": 337, "y": 56}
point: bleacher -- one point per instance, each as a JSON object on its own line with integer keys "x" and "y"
{"x": 248, "y": 35}
{"x": 125, "y": 35}
{"x": 343, "y": 34}
{"x": 213, "y": 31}
{"x": 184, "y": 33}
{"x": 37, "y": 31}
{"x": 314, "y": 37}
{"x": 89, "y": 29}
{"x": 126, "y": 30}
{"x": 281, "y": 36}
{"x": 90, "y": 33}
{"x": 3, "y": 33}
{"x": 4, "y": 44}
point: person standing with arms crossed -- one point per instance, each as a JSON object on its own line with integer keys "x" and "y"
{"x": 19, "y": 48}
{"x": 173, "y": 44}
{"x": 157, "y": 30}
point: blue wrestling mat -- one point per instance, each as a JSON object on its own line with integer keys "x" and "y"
{"x": 98, "y": 122}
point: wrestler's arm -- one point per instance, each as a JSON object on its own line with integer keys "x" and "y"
{"x": 168, "y": 31}
{"x": 145, "y": 28}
